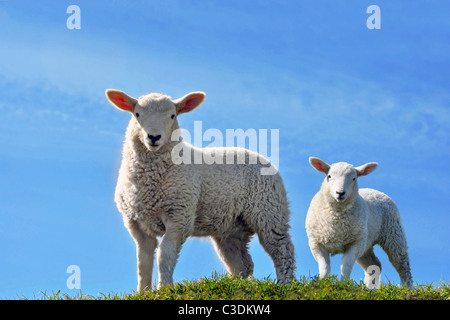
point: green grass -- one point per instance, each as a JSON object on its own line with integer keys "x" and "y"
{"x": 220, "y": 287}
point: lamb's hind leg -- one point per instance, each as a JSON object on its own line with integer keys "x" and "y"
{"x": 233, "y": 251}
{"x": 397, "y": 251}
{"x": 277, "y": 243}
{"x": 393, "y": 241}
{"x": 372, "y": 268}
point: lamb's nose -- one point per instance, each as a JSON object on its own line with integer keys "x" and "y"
{"x": 340, "y": 194}
{"x": 154, "y": 138}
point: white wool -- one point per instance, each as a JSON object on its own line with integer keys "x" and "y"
{"x": 344, "y": 219}
{"x": 227, "y": 202}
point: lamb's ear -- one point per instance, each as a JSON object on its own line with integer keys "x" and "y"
{"x": 120, "y": 100}
{"x": 319, "y": 165}
{"x": 366, "y": 169}
{"x": 189, "y": 102}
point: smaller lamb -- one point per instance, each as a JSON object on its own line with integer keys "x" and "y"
{"x": 343, "y": 219}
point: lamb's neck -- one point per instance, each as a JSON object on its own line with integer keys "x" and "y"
{"x": 160, "y": 158}
{"x": 341, "y": 208}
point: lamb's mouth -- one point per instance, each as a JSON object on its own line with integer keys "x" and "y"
{"x": 153, "y": 147}
{"x": 340, "y": 198}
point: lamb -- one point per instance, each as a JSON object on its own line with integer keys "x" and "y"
{"x": 343, "y": 219}
{"x": 160, "y": 197}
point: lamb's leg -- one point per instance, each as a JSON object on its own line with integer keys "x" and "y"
{"x": 369, "y": 261}
{"x": 233, "y": 251}
{"x": 178, "y": 228}
{"x": 348, "y": 260}
{"x": 279, "y": 246}
{"x": 400, "y": 262}
{"x": 397, "y": 251}
{"x": 145, "y": 252}
{"x": 168, "y": 253}
{"x": 322, "y": 257}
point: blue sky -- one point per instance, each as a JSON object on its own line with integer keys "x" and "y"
{"x": 313, "y": 70}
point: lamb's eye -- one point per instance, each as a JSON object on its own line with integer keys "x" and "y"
{"x": 137, "y": 115}
{"x": 329, "y": 176}
{"x": 354, "y": 179}
{"x": 172, "y": 116}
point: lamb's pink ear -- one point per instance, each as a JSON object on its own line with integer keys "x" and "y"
{"x": 366, "y": 169}
{"x": 189, "y": 102}
{"x": 319, "y": 165}
{"x": 120, "y": 100}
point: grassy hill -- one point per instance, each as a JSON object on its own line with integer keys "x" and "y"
{"x": 220, "y": 287}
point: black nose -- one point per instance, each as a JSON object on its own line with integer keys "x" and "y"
{"x": 340, "y": 194}
{"x": 154, "y": 138}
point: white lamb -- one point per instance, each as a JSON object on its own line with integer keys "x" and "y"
{"x": 228, "y": 202}
{"x": 343, "y": 219}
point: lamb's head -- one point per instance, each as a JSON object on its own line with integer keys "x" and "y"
{"x": 341, "y": 177}
{"x": 155, "y": 113}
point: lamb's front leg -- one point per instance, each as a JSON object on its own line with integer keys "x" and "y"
{"x": 348, "y": 260}
{"x": 322, "y": 256}
{"x": 169, "y": 249}
{"x": 145, "y": 252}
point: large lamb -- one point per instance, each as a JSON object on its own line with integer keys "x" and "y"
{"x": 158, "y": 196}
{"x": 343, "y": 219}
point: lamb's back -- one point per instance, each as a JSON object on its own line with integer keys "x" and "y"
{"x": 382, "y": 212}
{"x": 231, "y": 192}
